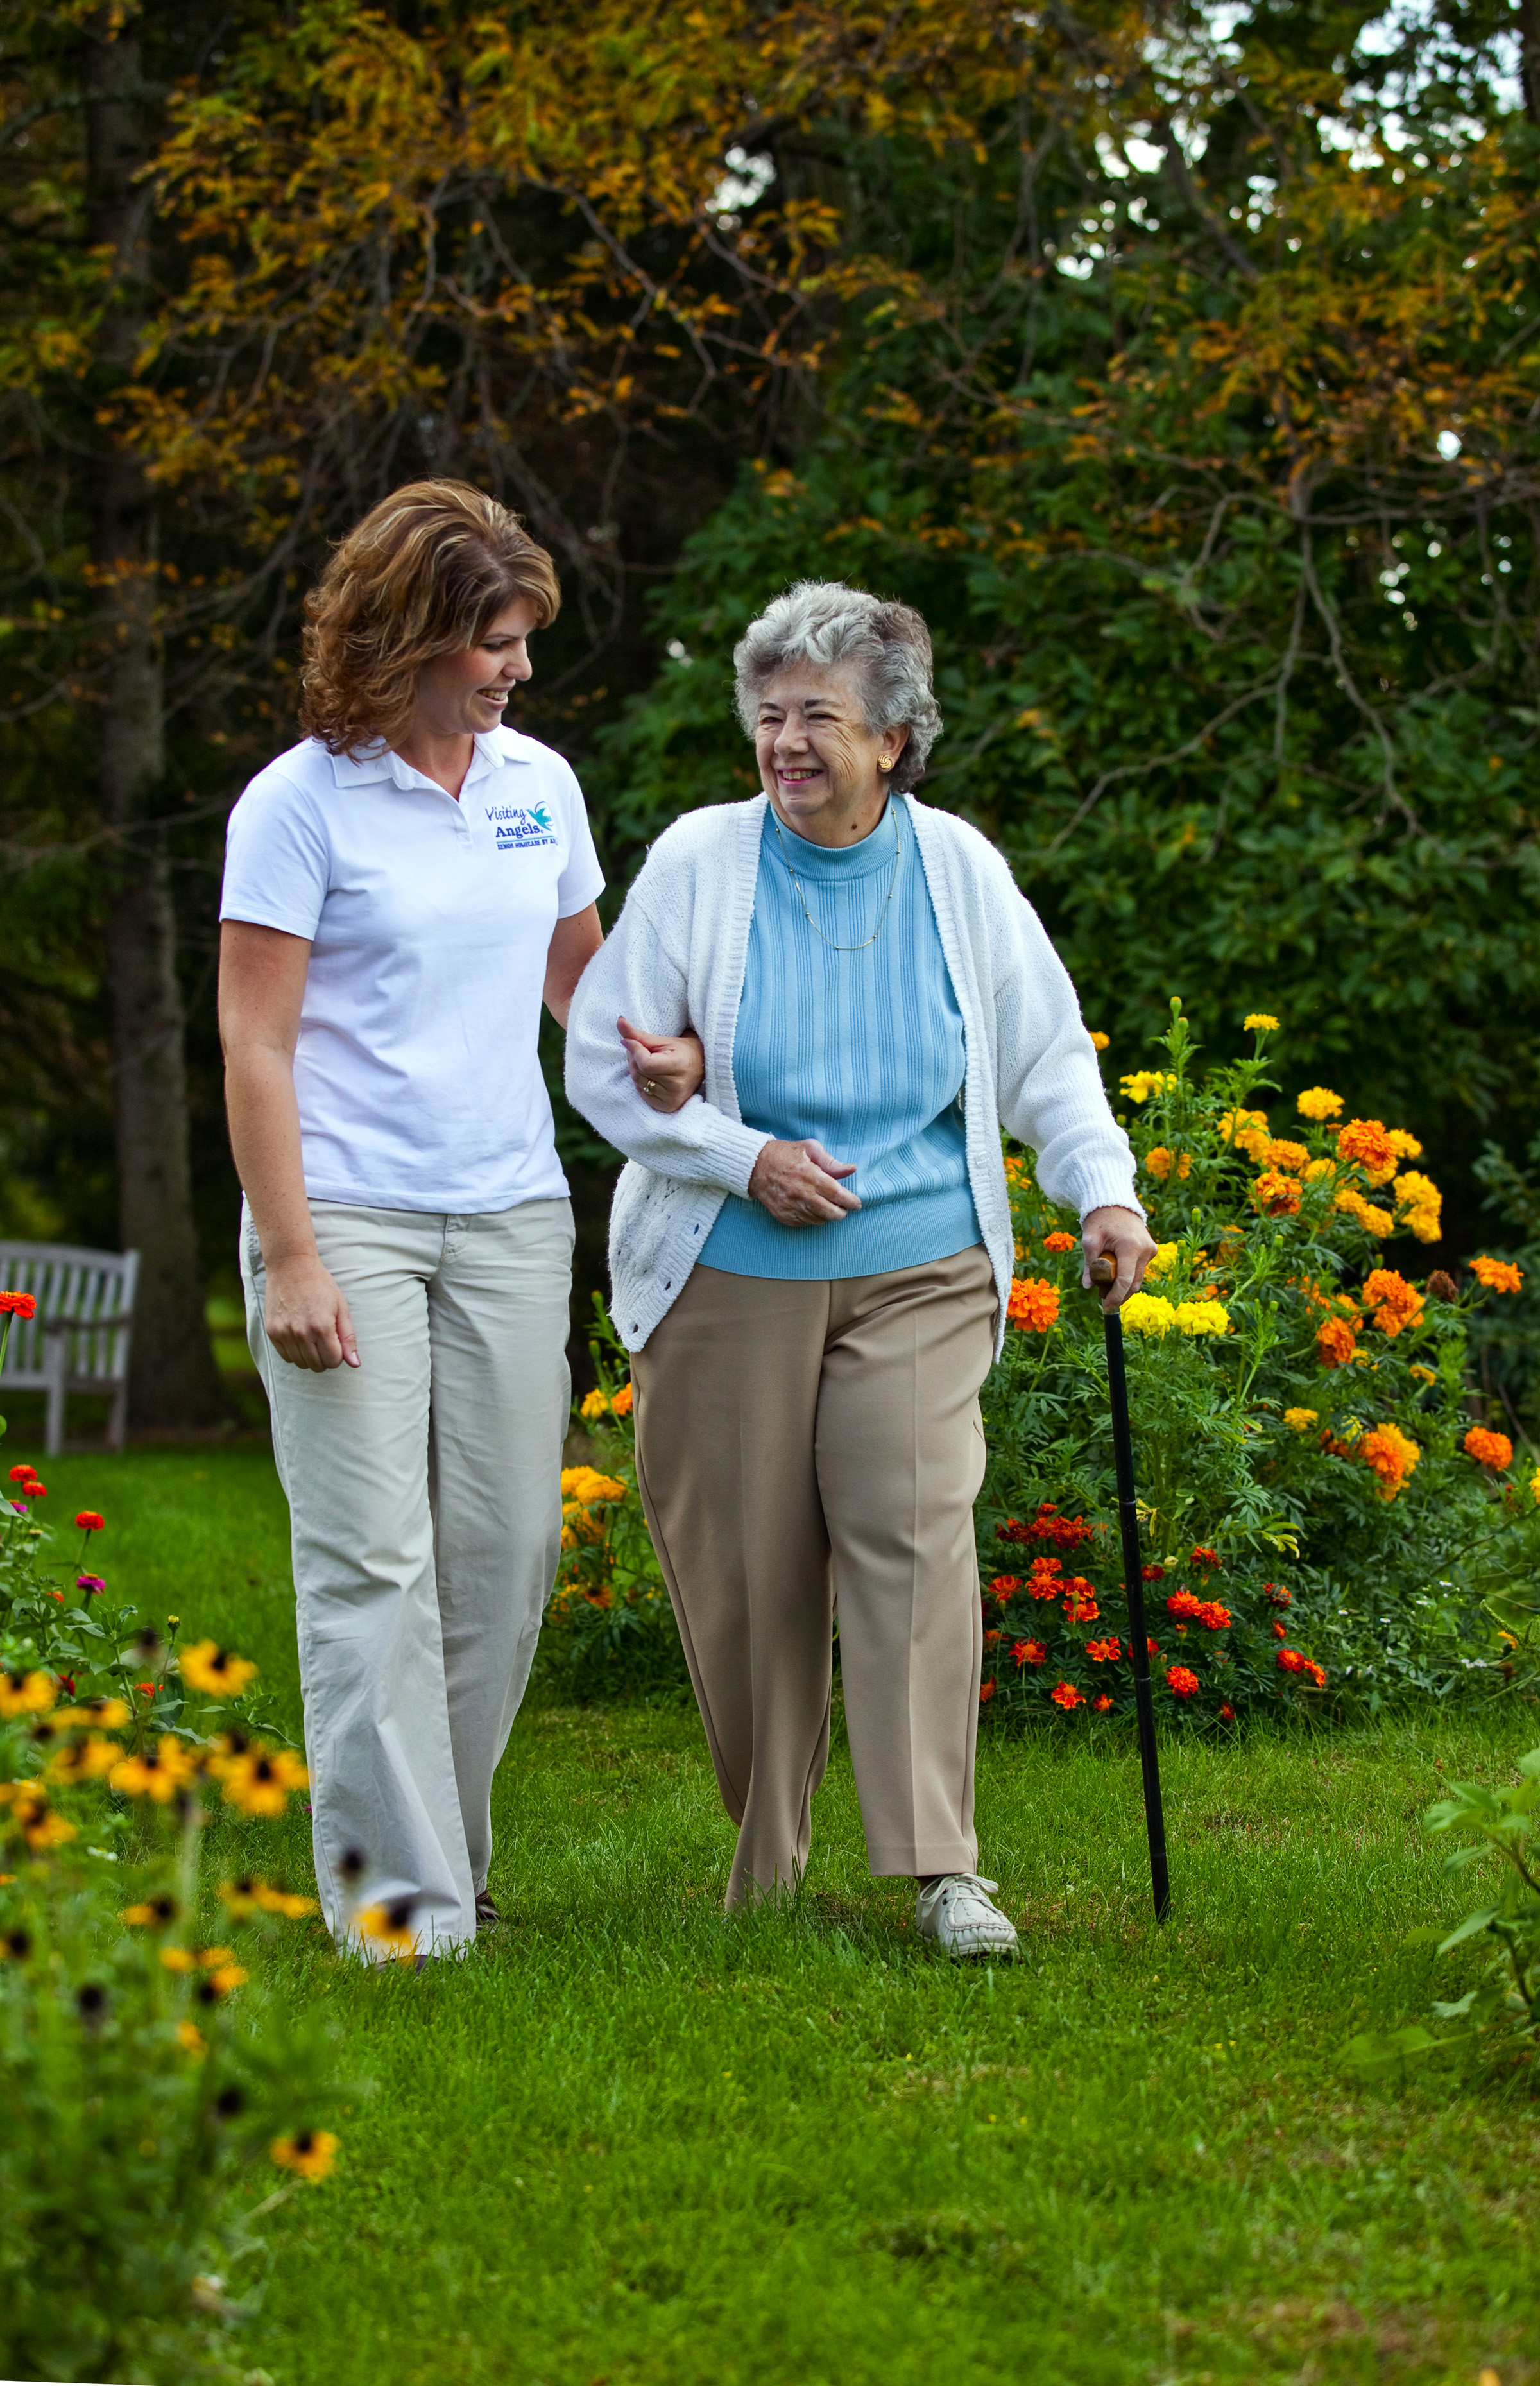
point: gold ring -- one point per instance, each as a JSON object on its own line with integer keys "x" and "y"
{"x": 651, "y": 1086}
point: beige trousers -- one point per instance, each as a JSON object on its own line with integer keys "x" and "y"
{"x": 803, "y": 1448}
{"x": 424, "y": 1494}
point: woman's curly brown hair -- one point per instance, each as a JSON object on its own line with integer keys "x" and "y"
{"x": 425, "y": 574}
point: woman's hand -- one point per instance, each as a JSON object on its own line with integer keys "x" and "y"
{"x": 306, "y": 1316}
{"x": 799, "y": 1183}
{"x": 665, "y": 1070}
{"x": 1124, "y": 1238}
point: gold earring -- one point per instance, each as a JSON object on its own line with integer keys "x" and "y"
{"x": 885, "y": 766}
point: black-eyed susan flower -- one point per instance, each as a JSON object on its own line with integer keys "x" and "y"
{"x": 291, "y": 1906}
{"x": 219, "y": 1673}
{"x": 84, "y": 1760}
{"x": 159, "y": 1773}
{"x": 391, "y": 1927}
{"x": 259, "y": 1782}
{"x": 179, "y": 1959}
{"x": 241, "y": 1897}
{"x": 150, "y": 1913}
{"x": 43, "y": 1830}
{"x": 311, "y": 2152}
{"x": 191, "y": 2039}
{"x": 32, "y": 1693}
{"x": 17, "y": 1945}
{"x": 91, "y": 2003}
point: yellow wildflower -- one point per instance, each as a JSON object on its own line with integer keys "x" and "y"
{"x": 45, "y": 1831}
{"x": 1534, "y": 1487}
{"x": 285, "y": 1902}
{"x": 150, "y": 1913}
{"x": 1319, "y": 1102}
{"x": 87, "y": 1760}
{"x": 1317, "y": 1169}
{"x": 1100, "y": 1040}
{"x": 1262, "y": 1022}
{"x": 1148, "y": 1313}
{"x": 1145, "y": 1082}
{"x": 214, "y": 1671}
{"x": 311, "y": 2152}
{"x": 1300, "y": 1420}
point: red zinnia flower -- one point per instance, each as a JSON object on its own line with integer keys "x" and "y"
{"x": 88, "y": 1521}
{"x": 18, "y": 1304}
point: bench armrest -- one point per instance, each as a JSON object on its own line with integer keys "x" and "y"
{"x": 83, "y": 1325}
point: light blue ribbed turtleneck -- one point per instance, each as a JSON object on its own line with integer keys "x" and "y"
{"x": 862, "y": 1049}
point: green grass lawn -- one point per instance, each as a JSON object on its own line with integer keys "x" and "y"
{"x": 626, "y": 2141}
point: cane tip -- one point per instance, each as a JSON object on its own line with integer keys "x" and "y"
{"x": 1103, "y": 1272}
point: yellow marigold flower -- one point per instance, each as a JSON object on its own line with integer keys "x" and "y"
{"x": 1100, "y": 1040}
{"x": 1145, "y": 1082}
{"x": 1405, "y": 1146}
{"x": 1391, "y": 1453}
{"x": 1316, "y": 1169}
{"x": 1262, "y": 1022}
{"x": 589, "y": 1487}
{"x": 259, "y": 1782}
{"x": 1246, "y": 1131}
{"x": 568, "y": 1538}
{"x": 1497, "y": 1275}
{"x": 1275, "y": 1195}
{"x": 1292, "y": 1158}
{"x": 623, "y": 1400}
{"x": 1163, "y": 1261}
{"x": 158, "y": 1773}
{"x": 595, "y": 1404}
{"x": 1201, "y": 1317}
{"x": 1372, "y": 1220}
{"x": 311, "y": 2152}
{"x": 1319, "y": 1102}
{"x": 216, "y": 1671}
{"x": 1159, "y": 1163}
{"x": 1423, "y": 1201}
{"x": 1148, "y": 1313}
{"x": 192, "y": 2037}
{"x": 1300, "y": 1420}
{"x": 1534, "y": 1487}
{"x": 32, "y": 1693}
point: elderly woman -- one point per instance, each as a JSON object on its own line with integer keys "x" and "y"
{"x": 812, "y": 1258}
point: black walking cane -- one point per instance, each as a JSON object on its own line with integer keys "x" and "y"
{"x": 1103, "y": 1274}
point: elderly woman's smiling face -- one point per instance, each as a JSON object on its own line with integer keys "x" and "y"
{"x": 822, "y": 768}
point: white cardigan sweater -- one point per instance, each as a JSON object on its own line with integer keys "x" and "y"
{"x": 676, "y": 960}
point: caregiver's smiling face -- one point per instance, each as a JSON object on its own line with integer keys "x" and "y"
{"x": 820, "y": 764}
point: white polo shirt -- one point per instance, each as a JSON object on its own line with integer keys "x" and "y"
{"x": 417, "y": 1071}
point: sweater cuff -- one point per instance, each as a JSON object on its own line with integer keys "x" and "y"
{"x": 733, "y": 1149}
{"x": 1111, "y": 1191}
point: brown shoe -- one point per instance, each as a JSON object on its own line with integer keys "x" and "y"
{"x": 489, "y": 1916}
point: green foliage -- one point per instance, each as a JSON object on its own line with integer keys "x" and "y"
{"x": 1299, "y": 1424}
{"x": 1502, "y": 2011}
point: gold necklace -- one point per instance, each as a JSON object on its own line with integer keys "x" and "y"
{"x": 882, "y": 919}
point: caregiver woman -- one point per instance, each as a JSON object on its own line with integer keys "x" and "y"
{"x": 401, "y": 890}
{"x": 811, "y": 1259}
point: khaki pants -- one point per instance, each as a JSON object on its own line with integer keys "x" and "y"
{"x": 424, "y": 1494}
{"x": 804, "y": 1447}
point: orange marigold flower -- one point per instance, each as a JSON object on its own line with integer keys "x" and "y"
{"x": 1275, "y": 1195}
{"x": 1105, "y": 1652}
{"x": 1042, "y": 1581}
{"x": 1367, "y": 1141}
{"x": 1059, "y": 1242}
{"x": 1029, "y": 1653}
{"x": 1160, "y": 1162}
{"x": 1033, "y": 1304}
{"x": 1492, "y": 1450}
{"x": 987, "y": 1691}
{"x": 1182, "y": 1602}
{"x": 1005, "y": 1587}
{"x": 1336, "y": 1341}
{"x": 1227, "y": 1714}
{"x": 624, "y": 1399}
{"x": 1293, "y": 1158}
{"x": 1294, "y": 1661}
{"x": 1182, "y": 1681}
{"x": 1213, "y": 1616}
{"x": 1497, "y": 1275}
{"x": 1065, "y": 1695}
{"x": 1100, "y": 1040}
{"x": 1209, "y": 1558}
{"x": 1392, "y": 1455}
{"x": 1102, "y": 1705}
{"x": 1391, "y": 1299}
{"x": 1080, "y": 1600}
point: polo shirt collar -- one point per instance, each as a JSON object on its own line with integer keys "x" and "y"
{"x": 380, "y": 763}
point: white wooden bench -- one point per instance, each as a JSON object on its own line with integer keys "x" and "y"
{"x": 78, "y": 1340}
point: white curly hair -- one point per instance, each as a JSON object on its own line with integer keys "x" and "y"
{"x": 825, "y": 621}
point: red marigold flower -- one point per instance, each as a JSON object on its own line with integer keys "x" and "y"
{"x": 88, "y": 1521}
{"x": 1497, "y": 1275}
{"x": 1492, "y": 1450}
{"x": 1105, "y": 1652}
{"x": 1102, "y": 1705}
{"x": 1207, "y": 1557}
{"x": 1294, "y": 1661}
{"x": 1029, "y": 1653}
{"x": 1227, "y": 1714}
{"x": 1182, "y": 1681}
{"x": 1079, "y": 1600}
{"x": 1280, "y": 1630}
{"x": 1152, "y": 1648}
{"x": 18, "y": 1304}
{"x": 987, "y": 1691}
{"x": 990, "y": 1639}
{"x": 1213, "y": 1617}
{"x": 1277, "y": 1596}
{"x": 1182, "y": 1602}
{"x": 1033, "y": 1304}
{"x": 1005, "y": 1587}
{"x": 1066, "y": 1696}
{"x": 1059, "y": 1242}
{"x": 1043, "y": 1582}
{"x": 1152, "y": 1574}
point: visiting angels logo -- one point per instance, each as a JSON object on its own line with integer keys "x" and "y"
{"x": 519, "y": 825}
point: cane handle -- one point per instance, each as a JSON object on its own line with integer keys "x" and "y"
{"x": 1103, "y": 1272}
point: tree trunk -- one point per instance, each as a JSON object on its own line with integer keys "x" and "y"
{"x": 173, "y": 1380}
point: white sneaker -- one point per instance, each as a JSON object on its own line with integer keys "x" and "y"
{"x": 957, "y": 1912}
